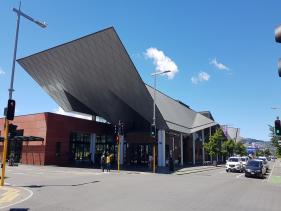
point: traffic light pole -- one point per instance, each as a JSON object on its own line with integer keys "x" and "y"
{"x": 4, "y": 158}
{"x": 119, "y": 131}
{"x": 11, "y": 89}
{"x": 118, "y": 155}
{"x": 154, "y": 124}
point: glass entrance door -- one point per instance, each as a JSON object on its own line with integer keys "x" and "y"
{"x": 138, "y": 154}
{"x": 80, "y": 148}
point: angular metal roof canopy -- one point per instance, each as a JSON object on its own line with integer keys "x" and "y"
{"x": 178, "y": 116}
{"x": 94, "y": 75}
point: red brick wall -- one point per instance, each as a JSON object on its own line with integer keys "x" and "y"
{"x": 52, "y": 128}
{"x": 33, "y": 152}
{"x": 60, "y": 127}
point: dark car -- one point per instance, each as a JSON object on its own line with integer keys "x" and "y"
{"x": 255, "y": 168}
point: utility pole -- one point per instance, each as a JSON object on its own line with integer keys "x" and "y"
{"x": 153, "y": 126}
{"x": 11, "y": 103}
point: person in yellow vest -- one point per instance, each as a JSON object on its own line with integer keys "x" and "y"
{"x": 108, "y": 162}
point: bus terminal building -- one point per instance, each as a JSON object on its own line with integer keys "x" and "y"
{"x": 94, "y": 75}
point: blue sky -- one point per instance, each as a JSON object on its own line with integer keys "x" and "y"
{"x": 198, "y": 36}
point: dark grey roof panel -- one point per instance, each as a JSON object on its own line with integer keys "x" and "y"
{"x": 95, "y": 75}
{"x": 179, "y": 117}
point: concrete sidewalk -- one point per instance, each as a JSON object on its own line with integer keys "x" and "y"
{"x": 195, "y": 169}
{"x": 275, "y": 175}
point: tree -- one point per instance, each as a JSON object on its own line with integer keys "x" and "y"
{"x": 228, "y": 148}
{"x": 212, "y": 147}
{"x": 274, "y": 140}
{"x": 240, "y": 149}
{"x": 267, "y": 152}
{"x": 259, "y": 153}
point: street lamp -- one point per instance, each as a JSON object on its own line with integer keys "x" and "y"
{"x": 154, "y": 103}
{"x": 11, "y": 89}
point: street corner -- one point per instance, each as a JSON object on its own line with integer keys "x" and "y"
{"x": 13, "y": 195}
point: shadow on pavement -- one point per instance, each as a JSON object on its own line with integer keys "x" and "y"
{"x": 73, "y": 185}
{"x": 19, "y": 209}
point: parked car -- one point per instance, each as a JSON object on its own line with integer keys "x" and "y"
{"x": 234, "y": 164}
{"x": 244, "y": 161}
{"x": 255, "y": 168}
{"x": 266, "y": 164}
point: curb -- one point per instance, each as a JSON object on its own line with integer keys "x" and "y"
{"x": 196, "y": 171}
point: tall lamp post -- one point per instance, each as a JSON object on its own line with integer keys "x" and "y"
{"x": 155, "y": 74}
{"x": 11, "y": 89}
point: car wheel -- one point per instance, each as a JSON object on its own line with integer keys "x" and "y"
{"x": 246, "y": 175}
{"x": 227, "y": 170}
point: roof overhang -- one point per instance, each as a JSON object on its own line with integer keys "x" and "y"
{"x": 93, "y": 75}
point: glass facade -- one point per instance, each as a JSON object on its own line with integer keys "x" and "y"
{"x": 105, "y": 144}
{"x": 80, "y": 147}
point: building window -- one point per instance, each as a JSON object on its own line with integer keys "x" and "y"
{"x": 80, "y": 146}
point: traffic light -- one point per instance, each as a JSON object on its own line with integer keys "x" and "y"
{"x": 11, "y": 109}
{"x": 12, "y": 130}
{"x": 277, "y": 127}
{"x": 117, "y": 139}
{"x": 122, "y": 129}
{"x": 115, "y": 130}
{"x": 153, "y": 131}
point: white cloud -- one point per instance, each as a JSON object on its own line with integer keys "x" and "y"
{"x": 202, "y": 76}
{"x": 2, "y": 72}
{"x": 162, "y": 62}
{"x": 218, "y": 64}
{"x": 59, "y": 110}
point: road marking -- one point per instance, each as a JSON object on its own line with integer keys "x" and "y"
{"x": 239, "y": 176}
{"x": 9, "y": 195}
{"x": 20, "y": 201}
{"x": 271, "y": 172}
{"x": 20, "y": 173}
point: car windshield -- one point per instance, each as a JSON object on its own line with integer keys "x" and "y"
{"x": 233, "y": 159}
{"x": 243, "y": 159}
{"x": 253, "y": 163}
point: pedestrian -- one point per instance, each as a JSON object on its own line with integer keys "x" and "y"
{"x": 171, "y": 164}
{"x": 102, "y": 161}
{"x": 108, "y": 162}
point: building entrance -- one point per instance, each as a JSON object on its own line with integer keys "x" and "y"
{"x": 105, "y": 144}
{"x": 138, "y": 154}
{"x": 14, "y": 150}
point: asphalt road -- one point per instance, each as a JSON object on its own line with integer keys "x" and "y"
{"x": 55, "y": 188}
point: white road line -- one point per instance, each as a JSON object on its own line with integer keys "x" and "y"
{"x": 18, "y": 173}
{"x": 20, "y": 201}
{"x": 239, "y": 176}
{"x": 271, "y": 172}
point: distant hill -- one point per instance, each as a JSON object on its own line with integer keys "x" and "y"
{"x": 250, "y": 141}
